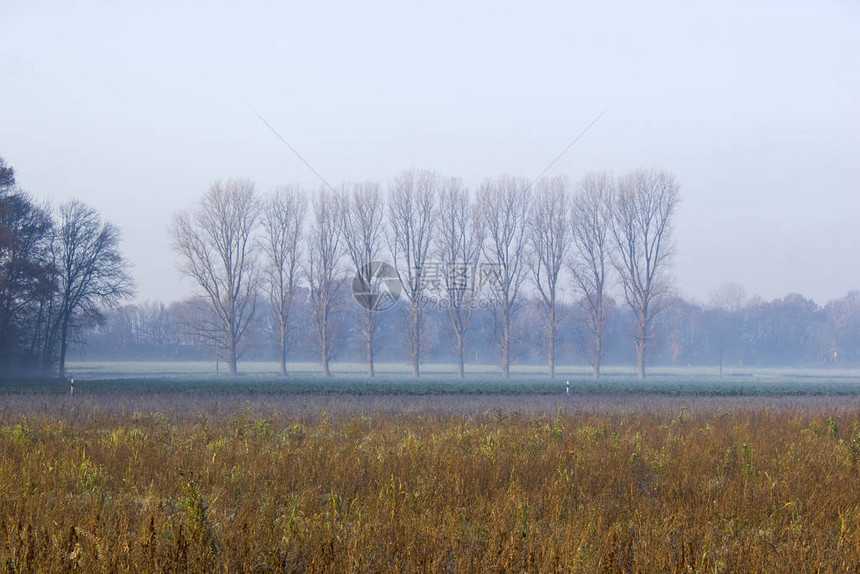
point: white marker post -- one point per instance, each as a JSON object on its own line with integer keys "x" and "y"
{"x": 72, "y": 387}
{"x": 568, "y": 387}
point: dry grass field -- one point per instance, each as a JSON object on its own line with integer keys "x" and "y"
{"x": 595, "y": 483}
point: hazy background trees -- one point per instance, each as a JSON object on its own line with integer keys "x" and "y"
{"x": 686, "y": 334}
{"x": 727, "y": 301}
{"x": 841, "y": 331}
{"x": 215, "y": 241}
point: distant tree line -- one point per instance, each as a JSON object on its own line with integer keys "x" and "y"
{"x": 60, "y": 268}
{"x": 788, "y": 331}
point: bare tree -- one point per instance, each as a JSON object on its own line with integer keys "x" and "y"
{"x": 412, "y": 216}
{"x": 362, "y": 213}
{"x": 730, "y": 296}
{"x": 90, "y": 273}
{"x": 282, "y": 219}
{"x": 727, "y": 301}
{"x": 323, "y": 271}
{"x": 642, "y": 238}
{"x": 215, "y": 242}
{"x": 155, "y": 323}
{"x": 504, "y": 207}
{"x": 589, "y": 258}
{"x": 549, "y": 236}
{"x": 201, "y": 327}
{"x": 458, "y": 247}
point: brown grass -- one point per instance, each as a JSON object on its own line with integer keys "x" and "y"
{"x": 716, "y": 487}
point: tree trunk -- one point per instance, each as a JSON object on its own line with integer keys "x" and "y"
{"x": 641, "y": 344}
{"x": 416, "y": 343}
{"x": 598, "y": 352}
{"x": 231, "y": 358}
{"x": 63, "y": 344}
{"x": 325, "y": 369}
{"x": 551, "y": 332}
{"x": 369, "y": 342}
{"x": 506, "y": 348}
{"x": 282, "y": 336}
{"x": 460, "y": 368}
{"x": 721, "y": 359}
{"x": 551, "y": 366}
{"x": 324, "y": 346}
{"x": 551, "y": 346}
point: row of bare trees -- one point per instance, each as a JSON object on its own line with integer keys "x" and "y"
{"x": 621, "y": 224}
{"x": 604, "y": 223}
{"x": 448, "y": 247}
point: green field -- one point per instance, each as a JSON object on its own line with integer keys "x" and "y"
{"x": 119, "y": 369}
{"x": 396, "y": 379}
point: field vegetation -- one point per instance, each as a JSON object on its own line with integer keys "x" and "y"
{"x": 202, "y": 481}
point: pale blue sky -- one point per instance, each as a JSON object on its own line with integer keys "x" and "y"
{"x": 755, "y": 106}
